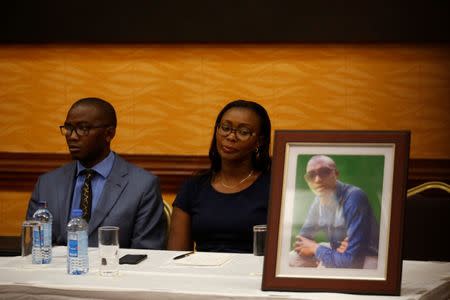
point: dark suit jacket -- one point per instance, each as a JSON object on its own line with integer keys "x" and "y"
{"x": 131, "y": 199}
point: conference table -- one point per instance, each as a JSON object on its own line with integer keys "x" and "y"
{"x": 238, "y": 276}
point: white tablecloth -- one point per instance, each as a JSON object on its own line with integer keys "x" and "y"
{"x": 159, "y": 278}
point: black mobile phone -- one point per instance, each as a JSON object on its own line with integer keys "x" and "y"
{"x": 132, "y": 259}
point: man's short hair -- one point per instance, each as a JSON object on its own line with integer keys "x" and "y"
{"x": 103, "y": 105}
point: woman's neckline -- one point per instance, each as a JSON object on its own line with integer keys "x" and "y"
{"x": 259, "y": 175}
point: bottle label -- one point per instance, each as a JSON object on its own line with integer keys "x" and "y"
{"x": 38, "y": 239}
{"x": 73, "y": 248}
{"x": 83, "y": 243}
{"x": 46, "y": 234}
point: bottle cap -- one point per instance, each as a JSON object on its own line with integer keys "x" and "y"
{"x": 76, "y": 212}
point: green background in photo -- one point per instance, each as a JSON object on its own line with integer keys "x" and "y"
{"x": 363, "y": 171}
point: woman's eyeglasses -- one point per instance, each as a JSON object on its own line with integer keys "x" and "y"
{"x": 241, "y": 133}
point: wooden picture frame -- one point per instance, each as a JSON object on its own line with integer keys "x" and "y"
{"x": 370, "y": 163}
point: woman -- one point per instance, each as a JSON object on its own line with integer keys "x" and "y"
{"x": 218, "y": 209}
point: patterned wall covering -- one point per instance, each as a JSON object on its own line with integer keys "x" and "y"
{"x": 167, "y": 96}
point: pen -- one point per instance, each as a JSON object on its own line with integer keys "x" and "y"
{"x": 183, "y": 255}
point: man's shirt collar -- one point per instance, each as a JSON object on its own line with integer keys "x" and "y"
{"x": 103, "y": 168}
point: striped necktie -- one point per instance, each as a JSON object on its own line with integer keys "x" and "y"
{"x": 86, "y": 194}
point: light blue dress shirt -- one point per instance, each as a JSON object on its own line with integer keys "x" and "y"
{"x": 103, "y": 169}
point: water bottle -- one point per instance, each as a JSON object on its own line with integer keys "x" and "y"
{"x": 42, "y": 239}
{"x": 77, "y": 244}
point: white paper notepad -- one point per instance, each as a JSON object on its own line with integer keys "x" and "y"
{"x": 204, "y": 259}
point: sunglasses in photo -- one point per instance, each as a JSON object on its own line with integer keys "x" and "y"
{"x": 321, "y": 172}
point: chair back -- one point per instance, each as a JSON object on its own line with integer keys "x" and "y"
{"x": 427, "y": 222}
{"x": 168, "y": 215}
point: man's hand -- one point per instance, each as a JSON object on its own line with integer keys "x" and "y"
{"x": 304, "y": 246}
{"x": 343, "y": 246}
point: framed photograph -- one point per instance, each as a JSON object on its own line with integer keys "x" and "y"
{"x": 336, "y": 211}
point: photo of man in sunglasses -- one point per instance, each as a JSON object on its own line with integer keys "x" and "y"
{"x": 342, "y": 213}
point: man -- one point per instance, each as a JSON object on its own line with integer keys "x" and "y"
{"x": 344, "y": 214}
{"x": 114, "y": 193}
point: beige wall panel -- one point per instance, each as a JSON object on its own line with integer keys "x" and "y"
{"x": 169, "y": 197}
{"x": 13, "y": 207}
{"x": 167, "y": 96}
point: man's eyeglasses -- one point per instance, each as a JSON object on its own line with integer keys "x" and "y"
{"x": 242, "y": 133}
{"x": 83, "y": 130}
{"x": 321, "y": 172}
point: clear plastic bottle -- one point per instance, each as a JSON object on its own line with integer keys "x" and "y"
{"x": 77, "y": 244}
{"x": 42, "y": 240}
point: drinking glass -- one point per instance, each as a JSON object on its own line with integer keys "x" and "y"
{"x": 259, "y": 239}
{"x": 108, "y": 245}
{"x": 28, "y": 229}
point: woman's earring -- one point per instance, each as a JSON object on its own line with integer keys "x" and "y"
{"x": 258, "y": 153}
